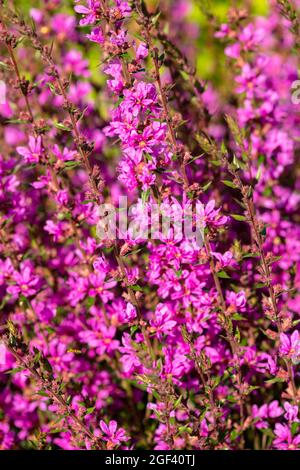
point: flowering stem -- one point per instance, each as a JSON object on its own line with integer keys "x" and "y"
{"x": 177, "y": 151}
{"x": 228, "y": 328}
{"x": 200, "y": 370}
{"x": 23, "y": 86}
{"x": 292, "y": 381}
{"x": 155, "y": 59}
{"x": 20, "y": 81}
{"x": 247, "y": 195}
{"x": 56, "y": 396}
{"x": 80, "y": 142}
{"x": 135, "y": 302}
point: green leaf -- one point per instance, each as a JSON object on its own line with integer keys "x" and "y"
{"x": 61, "y": 126}
{"x": 126, "y": 55}
{"x": 205, "y": 188}
{"x": 251, "y": 255}
{"x": 274, "y": 381}
{"x": 133, "y": 329}
{"x": 252, "y": 387}
{"x": 258, "y": 173}
{"x": 42, "y": 393}
{"x": 16, "y": 121}
{"x": 145, "y": 196}
{"x": 90, "y": 301}
{"x": 52, "y": 88}
{"x": 260, "y": 285}
{"x": 264, "y": 231}
{"x": 240, "y": 218}
{"x": 133, "y": 252}
{"x": 136, "y": 288}
{"x": 233, "y": 435}
{"x": 238, "y": 164}
{"x": 90, "y": 410}
{"x": 185, "y": 428}
{"x": 216, "y": 162}
{"x": 47, "y": 365}
{"x": 207, "y": 144}
{"x": 72, "y": 164}
{"x": 229, "y": 183}
{"x": 294, "y": 428}
{"x": 87, "y": 201}
{"x": 237, "y": 132}
{"x": 177, "y": 402}
{"x": 14, "y": 371}
{"x": 57, "y": 430}
{"x": 237, "y": 316}
{"x": 232, "y": 399}
{"x": 223, "y": 275}
{"x": 24, "y": 301}
{"x": 155, "y": 18}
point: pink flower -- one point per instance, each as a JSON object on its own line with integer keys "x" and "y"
{"x": 131, "y": 363}
{"x": 37, "y": 15}
{"x": 101, "y": 264}
{"x": 175, "y": 363}
{"x": 224, "y": 259}
{"x": 64, "y": 155}
{"x": 62, "y": 197}
{"x": 100, "y": 287}
{"x": 146, "y": 177}
{"x": 99, "y": 336}
{"x": 251, "y": 36}
{"x": 274, "y": 410}
{"x": 75, "y": 64}
{"x": 26, "y": 282}
{"x": 290, "y": 345}
{"x": 96, "y": 36}
{"x": 56, "y": 229}
{"x": 123, "y": 7}
{"x": 119, "y": 39}
{"x": 142, "y": 51}
{"x": 64, "y": 25}
{"x": 129, "y": 314}
{"x": 260, "y": 414}
{"x": 6, "y": 436}
{"x": 162, "y": 321}
{"x": 91, "y": 12}
{"x": 140, "y": 98}
{"x": 33, "y": 152}
{"x": 112, "y": 435}
{"x": 78, "y": 288}
{"x": 291, "y": 412}
{"x": 59, "y": 356}
{"x": 210, "y": 216}
{"x": 238, "y": 300}
{"x": 284, "y": 439}
{"x": 115, "y": 70}
{"x": 233, "y": 51}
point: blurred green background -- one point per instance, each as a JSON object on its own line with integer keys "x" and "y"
{"x": 210, "y": 60}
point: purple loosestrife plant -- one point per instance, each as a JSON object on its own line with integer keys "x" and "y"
{"x": 134, "y": 341}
